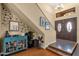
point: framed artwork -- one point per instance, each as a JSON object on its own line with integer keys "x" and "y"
{"x": 14, "y": 26}
{"x": 47, "y": 26}
{"x": 42, "y": 21}
{"x": 45, "y": 23}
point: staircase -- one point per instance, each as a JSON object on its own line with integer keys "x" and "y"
{"x": 26, "y": 19}
{"x": 30, "y": 14}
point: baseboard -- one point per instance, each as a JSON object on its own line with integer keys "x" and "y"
{"x": 48, "y": 44}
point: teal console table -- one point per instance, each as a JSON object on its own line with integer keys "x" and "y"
{"x": 14, "y": 44}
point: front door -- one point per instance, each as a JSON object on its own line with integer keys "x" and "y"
{"x": 59, "y": 29}
{"x": 70, "y": 29}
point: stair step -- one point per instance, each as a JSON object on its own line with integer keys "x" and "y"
{"x": 58, "y": 51}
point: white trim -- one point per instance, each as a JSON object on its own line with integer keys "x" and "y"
{"x": 48, "y": 44}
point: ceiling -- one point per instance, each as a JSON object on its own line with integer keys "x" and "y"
{"x": 66, "y": 6}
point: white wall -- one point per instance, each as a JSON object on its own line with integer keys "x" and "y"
{"x": 50, "y": 15}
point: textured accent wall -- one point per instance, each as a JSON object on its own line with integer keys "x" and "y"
{"x": 7, "y": 16}
{"x": 0, "y": 20}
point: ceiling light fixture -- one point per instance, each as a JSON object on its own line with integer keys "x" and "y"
{"x": 59, "y": 6}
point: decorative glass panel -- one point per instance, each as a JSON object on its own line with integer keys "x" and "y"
{"x": 59, "y": 27}
{"x": 69, "y": 26}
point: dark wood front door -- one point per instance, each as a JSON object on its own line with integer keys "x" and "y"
{"x": 66, "y": 29}
{"x": 59, "y": 29}
{"x": 70, "y": 29}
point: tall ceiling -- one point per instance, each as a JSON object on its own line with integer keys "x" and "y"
{"x": 66, "y": 5}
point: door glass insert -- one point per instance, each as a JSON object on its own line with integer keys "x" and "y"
{"x": 59, "y": 27}
{"x": 69, "y": 26}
